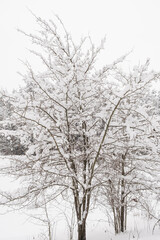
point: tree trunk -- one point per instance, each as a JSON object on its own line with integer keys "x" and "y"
{"x": 122, "y": 216}
{"x": 82, "y": 231}
{"x": 122, "y": 196}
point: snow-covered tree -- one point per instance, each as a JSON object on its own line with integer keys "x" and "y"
{"x": 70, "y": 115}
{"x": 132, "y": 149}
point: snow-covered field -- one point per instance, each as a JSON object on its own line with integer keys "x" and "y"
{"x": 20, "y": 226}
{"x": 16, "y": 226}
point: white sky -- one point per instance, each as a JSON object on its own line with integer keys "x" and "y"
{"x": 127, "y": 24}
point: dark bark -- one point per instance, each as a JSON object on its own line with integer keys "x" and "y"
{"x": 122, "y": 214}
{"x": 82, "y": 231}
{"x": 122, "y": 196}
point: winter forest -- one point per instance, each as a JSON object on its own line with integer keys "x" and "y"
{"x": 79, "y": 143}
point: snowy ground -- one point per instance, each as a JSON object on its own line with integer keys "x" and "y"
{"x": 18, "y": 226}
{"x": 15, "y": 226}
{"x": 139, "y": 228}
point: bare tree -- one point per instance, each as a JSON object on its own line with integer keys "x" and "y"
{"x": 45, "y": 219}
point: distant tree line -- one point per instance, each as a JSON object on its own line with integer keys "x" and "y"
{"x": 10, "y": 144}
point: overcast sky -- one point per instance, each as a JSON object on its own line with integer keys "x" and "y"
{"x": 127, "y": 24}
